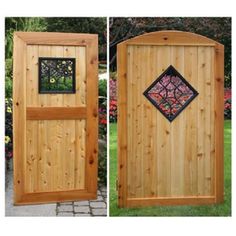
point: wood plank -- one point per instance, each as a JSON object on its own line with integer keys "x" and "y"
{"x": 59, "y": 173}
{"x": 44, "y": 163}
{"x": 31, "y": 170}
{"x": 191, "y": 131}
{"x": 171, "y": 38}
{"x": 207, "y": 133}
{"x": 70, "y": 128}
{"x": 19, "y": 123}
{"x": 212, "y": 124}
{"x": 170, "y": 201}
{"x": 163, "y": 133}
{"x": 201, "y": 119}
{"x": 219, "y": 122}
{"x": 80, "y": 125}
{"x": 80, "y": 95}
{"x": 92, "y": 116}
{"x": 149, "y": 123}
{"x": 122, "y": 124}
{"x": 55, "y": 113}
{"x": 55, "y": 197}
{"x": 132, "y": 67}
{"x": 178, "y": 139}
{"x": 49, "y": 38}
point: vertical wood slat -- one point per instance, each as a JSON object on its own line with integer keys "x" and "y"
{"x": 219, "y": 122}
{"x": 131, "y": 176}
{"x": 122, "y": 124}
{"x": 92, "y": 116}
{"x": 201, "y": 119}
{"x": 44, "y": 163}
{"x": 207, "y": 133}
{"x": 70, "y": 133}
{"x": 178, "y": 133}
{"x": 80, "y": 125}
{"x": 163, "y": 139}
{"x": 19, "y": 115}
{"x": 60, "y": 175}
{"x": 191, "y": 131}
{"x": 31, "y": 171}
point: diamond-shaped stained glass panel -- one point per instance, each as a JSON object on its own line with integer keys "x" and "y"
{"x": 170, "y": 93}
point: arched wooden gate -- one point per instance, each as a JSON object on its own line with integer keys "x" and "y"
{"x": 170, "y": 119}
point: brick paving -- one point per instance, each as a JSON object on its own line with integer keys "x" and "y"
{"x": 96, "y": 207}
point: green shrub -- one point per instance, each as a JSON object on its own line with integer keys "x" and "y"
{"x": 102, "y": 87}
{"x": 102, "y": 164}
{"x": 8, "y": 78}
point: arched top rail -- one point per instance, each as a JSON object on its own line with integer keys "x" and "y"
{"x": 171, "y": 37}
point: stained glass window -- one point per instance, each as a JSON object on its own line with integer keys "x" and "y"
{"x": 170, "y": 93}
{"x": 56, "y": 75}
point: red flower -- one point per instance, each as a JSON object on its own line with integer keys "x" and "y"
{"x": 103, "y": 121}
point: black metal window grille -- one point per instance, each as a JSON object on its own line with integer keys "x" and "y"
{"x": 170, "y": 93}
{"x": 56, "y": 75}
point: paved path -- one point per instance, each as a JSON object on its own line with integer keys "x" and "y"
{"x": 96, "y": 207}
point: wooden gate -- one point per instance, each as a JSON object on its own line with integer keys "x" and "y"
{"x": 170, "y": 120}
{"x": 55, "y": 96}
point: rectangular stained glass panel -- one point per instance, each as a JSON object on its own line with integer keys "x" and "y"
{"x": 56, "y": 75}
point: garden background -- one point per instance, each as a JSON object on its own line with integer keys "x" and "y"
{"x": 55, "y": 24}
{"x": 216, "y": 28}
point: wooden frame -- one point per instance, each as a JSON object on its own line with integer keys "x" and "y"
{"x": 21, "y": 114}
{"x": 169, "y": 38}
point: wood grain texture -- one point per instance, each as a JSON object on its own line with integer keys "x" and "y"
{"x": 49, "y": 38}
{"x": 55, "y": 113}
{"x": 170, "y": 38}
{"x": 19, "y": 114}
{"x": 161, "y": 162}
{"x": 219, "y": 122}
{"x": 92, "y": 116}
{"x": 56, "y": 159}
{"x": 122, "y": 124}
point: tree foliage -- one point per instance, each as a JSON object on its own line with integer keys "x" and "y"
{"x": 216, "y": 28}
{"x": 53, "y": 24}
{"x": 96, "y": 25}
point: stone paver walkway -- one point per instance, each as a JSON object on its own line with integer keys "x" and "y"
{"x": 96, "y": 207}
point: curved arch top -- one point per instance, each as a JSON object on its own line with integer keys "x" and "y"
{"x": 171, "y": 37}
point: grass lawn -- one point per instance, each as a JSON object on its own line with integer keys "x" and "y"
{"x": 210, "y": 210}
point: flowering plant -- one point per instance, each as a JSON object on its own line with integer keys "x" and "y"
{"x": 227, "y": 103}
{"x": 113, "y": 100}
{"x": 8, "y": 129}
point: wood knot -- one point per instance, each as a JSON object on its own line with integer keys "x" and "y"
{"x": 18, "y": 181}
{"x": 165, "y": 38}
{"x": 93, "y": 61}
{"x": 17, "y": 103}
{"x": 91, "y": 161}
{"x": 95, "y": 151}
{"x": 167, "y": 132}
{"x": 121, "y": 166}
{"x": 95, "y": 114}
